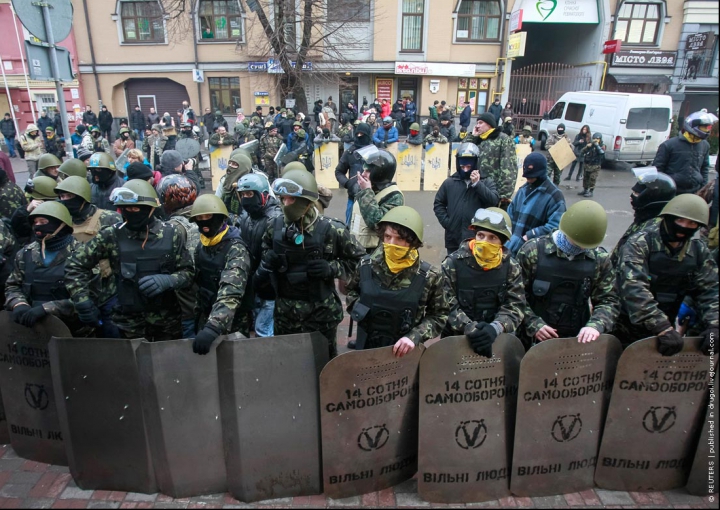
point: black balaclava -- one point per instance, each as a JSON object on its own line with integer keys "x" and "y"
{"x": 74, "y": 205}
{"x": 102, "y": 175}
{"x": 216, "y": 224}
{"x": 253, "y": 205}
{"x": 137, "y": 221}
{"x": 365, "y": 139}
{"x": 48, "y": 229}
{"x": 669, "y": 231}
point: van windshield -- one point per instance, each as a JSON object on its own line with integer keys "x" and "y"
{"x": 656, "y": 119}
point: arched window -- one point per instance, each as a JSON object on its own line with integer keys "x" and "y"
{"x": 221, "y": 20}
{"x": 638, "y": 23}
{"x": 478, "y": 20}
{"x": 142, "y": 21}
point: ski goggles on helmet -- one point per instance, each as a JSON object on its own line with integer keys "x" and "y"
{"x": 125, "y": 196}
{"x": 288, "y": 188}
{"x": 492, "y": 217}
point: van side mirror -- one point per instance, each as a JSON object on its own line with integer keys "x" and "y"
{"x": 546, "y": 116}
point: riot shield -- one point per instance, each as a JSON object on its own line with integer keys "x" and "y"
{"x": 655, "y": 416}
{"x": 269, "y": 398}
{"x": 98, "y": 394}
{"x": 562, "y": 400}
{"x": 369, "y": 414}
{"x": 27, "y": 389}
{"x": 4, "y": 430}
{"x": 704, "y": 460}
{"x": 182, "y": 411}
{"x": 121, "y": 160}
{"x": 187, "y": 147}
{"x": 467, "y": 417}
{"x": 436, "y": 165}
{"x": 327, "y": 157}
{"x": 219, "y": 157}
{"x": 409, "y": 166}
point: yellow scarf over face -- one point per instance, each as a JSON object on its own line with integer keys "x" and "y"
{"x": 399, "y": 257}
{"x": 212, "y": 241}
{"x": 487, "y": 255}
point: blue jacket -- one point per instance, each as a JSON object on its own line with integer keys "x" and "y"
{"x": 465, "y": 116}
{"x": 410, "y": 111}
{"x": 534, "y": 212}
{"x": 392, "y": 135}
{"x": 292, "y": 144}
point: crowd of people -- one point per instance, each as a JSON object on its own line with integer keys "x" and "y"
{"x": 120, "y": 242}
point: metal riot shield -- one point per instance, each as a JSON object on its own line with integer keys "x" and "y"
{"x": 369, "y": 414}
{"x": 27, "y": 389}
{"x": 121, "y": 161}
{"x": 562, "y": 400}
{"x": 182, "y": 411}
{"x": 187, "y": 147}
{"x": 704, "y": 460}
{"x": 99, "y": 402}
{"x": 655, "y": 416}
{"x": 436, "y": 166}
{"x": 409, "y": 166}
{"x": 269, "y": 397}
{"x": 327, "y": 157}
{"x": 281, "y": 153}
{"x": 467, "y": 417}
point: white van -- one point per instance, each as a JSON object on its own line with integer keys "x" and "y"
{"x": 633, "y": 125}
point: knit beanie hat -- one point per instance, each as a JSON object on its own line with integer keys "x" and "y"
{"x": 138, "y": 170}
{"x": 171, "y": 160}
{"x": 489, "y": 119}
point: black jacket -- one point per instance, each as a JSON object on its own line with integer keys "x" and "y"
{"x": 90, "y": 118}
{"x": 455, "y": 205}
{"x": 43, "y": 123}
{"x": 496, "y": 110}
{"x": 137, "y": 120}
{"x": 687, "y": 163}
{"x": 253, "y": 229}
{"x": 57, "y": 124}
{"x": 153, "y": 118}
{"x": 105, "y": 120}
{"x": 7, "y": 128}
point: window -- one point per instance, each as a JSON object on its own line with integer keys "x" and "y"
{"x": 475, "y": 92}
{"x": 142, "y": 21}
{"x": 656, "y": 119}
{"x": 221, "y": 20}
{"x": 348, "y": 10}
{"x": 557, "y": 111}
{"x": 575, "y": 112}
{"x": 478, "y": 20}
{"x": 46, "y": 102}
{"x": 638, "y": 23}
{"x": 224, "y": 94}
{"x": 412, "y": 25}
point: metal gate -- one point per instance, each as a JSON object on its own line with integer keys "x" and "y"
{"x": 542, "y": 85}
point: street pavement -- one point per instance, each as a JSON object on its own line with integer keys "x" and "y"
{"x": 28, "y": 484}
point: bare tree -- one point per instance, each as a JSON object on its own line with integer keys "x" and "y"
{"x": 325, "y": 32}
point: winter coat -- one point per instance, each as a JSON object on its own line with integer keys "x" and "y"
{"x": 385, "y": 110}
{"x": 154, "y": 118}
{"x": 105, "y": 120}
{"x": 398, "y": 111}
{"x": 33, "y": 147}
{"x": 44, "y": 122}
{"x": 7, "y": 128}
{"x": 137, "y": 120}
{"x": 687, "y": 163}
{"x": 410, "y": 111}
{"x": 496, "y": 110}
{"x": 455, "y": 204}
{"x": 465, "y": 116}
{"x": 386, "y": 136}
{"x": 57, "y": 124}
{"x": 534, "y": 211}
{"x": 90, "y": 119}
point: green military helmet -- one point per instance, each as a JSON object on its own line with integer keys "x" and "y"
{"x": 297, "y": 123}
{"x": 77, "y": 186}
{"x": 585, "y": 224}
{"x": 414, "y": 126}
{"x": 688, "y": 206}
{"x": 73, "y": 167}
{"x": 135, "y": 192}
{"x": 47, "y": 161}
{"x": 527, "y": 129}
{"x": 297, "y": 183}
{"x": 253, "y": 182}
{"x": 493, "y": 219}
{"x": 208, "y": 204}
{"x": 406, "y": 217}
{"x": 294, "y": 165}
{"x": 95, "y": 129}
{"x": 53, "y": 210}
{"x": 123, "y": 130}
{"x": 43, "y": 188}
{"x": 102, "y": 160}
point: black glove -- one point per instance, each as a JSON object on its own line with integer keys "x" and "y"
{"x": 33, "y": 315}
{"x": 154, "y": 285}
{"x": 670, "y": 343}
{"x": 705, "y": 345}
{"x": 272, "y": 261}
{"x": 319, "y": 268}
{"x": 481, "y": 336}
{"x": 88, "y": 313}
{"x": 203, "y": 340}
{"x": 18, "y": 312}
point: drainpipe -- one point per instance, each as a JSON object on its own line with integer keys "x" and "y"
{"x": 92, "y": 51}
{"x": 199, "y": 109}
{"x": 505, "y": 87}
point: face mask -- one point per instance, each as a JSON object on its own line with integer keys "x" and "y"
{"x": 49, "y": 229}
{"x": 101, "y": 175}
{"x": 414, "y": 132}
{"x": 561, "y": 132}
{"x": 673, "y": 229}
{"x": 567, "y": 247}
{"x": 96, "y": 135}
{"x": 487, "y": 255}
{"x": 214, "y": 225}
{"x": 398, "y": 258}
{"x": 137, "y": 220}
{"x": 296, "y": 210}
{"x": 74, "y": 205}
{"x": 253, "y": 205}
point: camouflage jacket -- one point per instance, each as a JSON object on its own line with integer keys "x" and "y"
{"x": 603, "y": 298}
{"x": 555, "y": 138}
{"x": 512, "y": 308}
{"x": 499, "y": 161}
{"x": 233, "y": 282}
{"x": 269, "y": 145}
{"x": 14, "y": 293}
{"x": 11, "y": 198}
{"x": 7, "y": 243}
{"x": 434, "y": 305}
{"x": 371, "y": 211}
{"x": 105, "y": 246}
{"x": 631, "y": 230}
{"x": 633, "y": 277}
{"x": 431, "y": 138}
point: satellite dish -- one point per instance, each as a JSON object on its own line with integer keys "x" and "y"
{"x": 31, "y": 16}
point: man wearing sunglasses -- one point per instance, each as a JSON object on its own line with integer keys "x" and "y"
{"x": 303, "y": 254}
{"x": 149, "y": 260}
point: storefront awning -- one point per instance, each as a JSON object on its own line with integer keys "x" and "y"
{"x": 558, "y": 11}
{"x": 652, "y": 79}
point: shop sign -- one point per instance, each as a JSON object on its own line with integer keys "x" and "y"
{"x": 434, "y": 69}
{"x": 644, "y": 58}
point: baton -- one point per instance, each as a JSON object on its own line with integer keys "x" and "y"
{"x": 350, "y": 328}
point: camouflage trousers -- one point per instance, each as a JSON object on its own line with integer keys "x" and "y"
{"x": 271, "y": 169}
{"x": 295, "y": 316}
{"x": 554, "y": 171}
{"x": 590, "y": 176}
{"x": 152, "y": 326}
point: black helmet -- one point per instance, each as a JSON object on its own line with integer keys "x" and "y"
{"x": 652, "y": 188}
{"x": 380, "y": 163}
{"x": 470, "y": 153}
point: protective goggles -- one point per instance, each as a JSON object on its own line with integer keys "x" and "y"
{"x": 369, "y": 154}
{"x": 492, "y": 217}
{"x": 288, "y": 188}
{"x": 123, "y": 196}
{"x": 645, "y": 174}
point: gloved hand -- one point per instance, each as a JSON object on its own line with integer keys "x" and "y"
{"x": 686, "y": 314}
{"x": 19, "y": 311}
{"x": 705, "y": 345}
{"x": 272, "y": 261}
{"x": 319, "y": 268}
{"x": 88, "y": 313}
{"x": 670, "y": 343}
{"x": 154, "y": 285}
{"x": 481, "y": 336}
{"x": 33, "y": 315}
{"x": 203, "y": 340}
